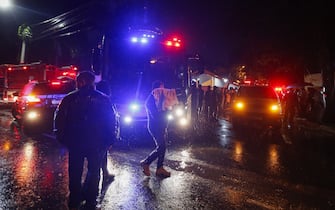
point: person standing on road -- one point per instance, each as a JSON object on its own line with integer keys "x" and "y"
{"x": 290, "y": 105}
{"x": 201, "y": 100}
{"x": 84, "y": 122}
{"x": 157, "y": 126}
{"x": 104, "y": 87}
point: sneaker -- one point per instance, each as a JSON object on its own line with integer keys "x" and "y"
{"x": 146, "y": 169}
{"x": 161, "y": 172}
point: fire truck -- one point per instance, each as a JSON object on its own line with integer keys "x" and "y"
{"x": 144, "y": 56}
{"x": 14, "y": 76}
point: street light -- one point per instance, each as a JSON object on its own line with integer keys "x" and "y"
{"x": 5, "y": 4}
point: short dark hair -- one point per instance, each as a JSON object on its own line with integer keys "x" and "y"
{"x": 157, "y": 84}
{"x": 85, "y": 78}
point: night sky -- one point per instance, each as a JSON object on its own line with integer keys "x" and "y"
{"x": 222, "y": 32}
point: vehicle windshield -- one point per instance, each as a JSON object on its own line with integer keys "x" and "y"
{"x": 48, "y": 88}
{"x": 257, "y": 92}
{"x": 132, "y": 87}
{"x": 136, "y": 86}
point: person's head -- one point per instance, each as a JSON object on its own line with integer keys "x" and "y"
{"x": 85, "y": 78}
{"x": 157, "y": 84}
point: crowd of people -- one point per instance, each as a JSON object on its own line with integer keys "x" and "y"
{"x": 85, "y": 123}
{"x": 210, "y": 101}
{"x": 302, "y": 102}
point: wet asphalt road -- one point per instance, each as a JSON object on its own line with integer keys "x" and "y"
{"x": 213, "y": 167}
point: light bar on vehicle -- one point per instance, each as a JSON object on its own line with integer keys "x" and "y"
{"x": 32, "y": 98}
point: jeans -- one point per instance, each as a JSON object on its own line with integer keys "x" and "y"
{"x": 158, "y": 134}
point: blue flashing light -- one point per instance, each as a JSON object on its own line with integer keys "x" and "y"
{"x": 134, "y": 107}
{"x": 144, "y": 40}
{"x": 134, "y": 39}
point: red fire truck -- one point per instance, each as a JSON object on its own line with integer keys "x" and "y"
{"x": 14, "y": 76}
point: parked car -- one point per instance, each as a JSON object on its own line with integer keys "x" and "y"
{"x": 256, "y": 104}
{"x": 34, "y": 108}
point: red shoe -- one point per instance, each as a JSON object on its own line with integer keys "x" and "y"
{"x": 161, "y": 172}
{"x": 146, "y": 169}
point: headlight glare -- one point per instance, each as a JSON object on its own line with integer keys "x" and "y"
{"x": 170, "y": 117}
{"x": 179, "y": 112}
{"x": 239, "y": 105}
{"x": 134, "y": 107}
{"x": 128, "y": 119}
{"x": 274, "y": 107}
{"x": 183, "y": 121}
{"x": 32, "y": 115}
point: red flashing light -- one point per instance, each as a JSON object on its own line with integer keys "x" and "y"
{"x": 75, "y": 68}
{"x": 32, "y": 99}
{"x": 174, "y": 42}
{"x": 55, "y": 83}
{"x": 247, "y": 82}
{"x": 168, "y": 43}
{"x": 10, "y": 68}
{"x": 25, "y": 67}
{"x": 278, "y": 89}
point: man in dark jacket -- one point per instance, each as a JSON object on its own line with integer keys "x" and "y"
{"x": 84, "y": 123}
{"x": 157, "y": 125}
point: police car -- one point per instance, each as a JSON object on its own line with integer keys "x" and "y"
{"x": 35, "y": 105}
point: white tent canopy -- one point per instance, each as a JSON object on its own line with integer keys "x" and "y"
{"x": 209, "y": 79}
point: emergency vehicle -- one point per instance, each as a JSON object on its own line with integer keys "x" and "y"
{"x": 14, "y": 76}
{"x": 143, "y": 57}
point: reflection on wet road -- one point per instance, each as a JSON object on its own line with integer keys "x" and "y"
{"x": 220, "y": 169}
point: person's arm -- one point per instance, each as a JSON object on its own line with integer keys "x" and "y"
{"x": 60, "y": 119}
{"x": 151, "y": 107}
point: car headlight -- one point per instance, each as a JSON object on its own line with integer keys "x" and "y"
{"x": 239, "y": 105}
{"x": 128, "y": 119}
{"x": 134, "y": 107}
{"x": 274, "y": 108}
{"x": 179, "y": 112}
{"x": 170, "y": 117}
{"x": 32, "y": 115}
{"x": 183, "y": 121}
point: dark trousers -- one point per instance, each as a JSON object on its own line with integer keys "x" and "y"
{"x": 90, "y": 189}
{"x": 158, "y": 135}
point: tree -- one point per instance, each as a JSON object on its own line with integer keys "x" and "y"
{"x": 25, "y": 34}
